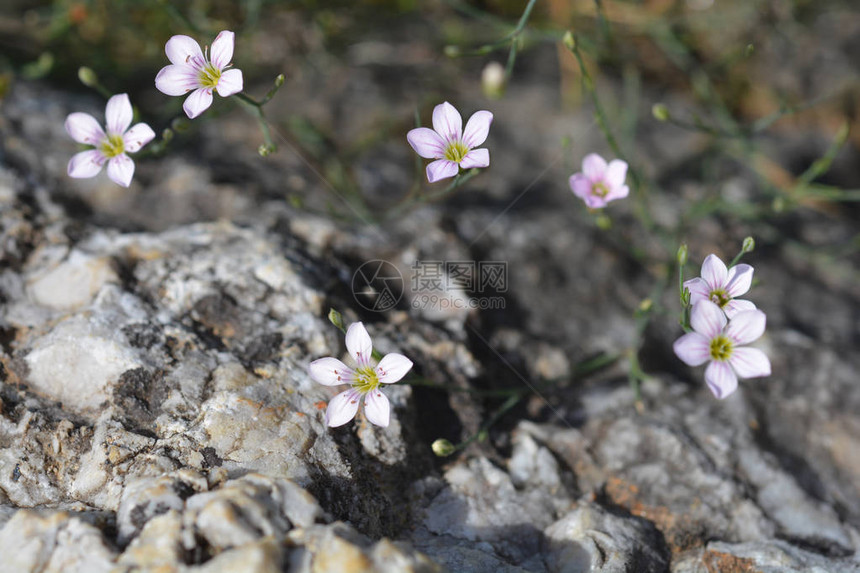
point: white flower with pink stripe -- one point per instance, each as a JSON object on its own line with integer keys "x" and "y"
{"x": 721, "y": 342}
{"x": 110, "y": 145}
{"x": 197, "y": 73}
{"x": 364, "y": 379}
{"x": 452, "y": 147}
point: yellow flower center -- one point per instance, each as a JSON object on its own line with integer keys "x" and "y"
{"x": 599, "y": 189}
{"x": 721, "y": 348}
{"x": 209, "y": 76}
{"x": 720, "y": 297}
{"x": 456, "y": 151}
{"x": 112, "y": 145}
{"x": 365, "y": 379}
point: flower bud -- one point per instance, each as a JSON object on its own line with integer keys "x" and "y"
{"x": 266, "y": 150}
{"x": 569, "y": 40}
{"x": 660, "y": 112}
{"x": 443, "y": 448}
{"x": 603, "y": 222}
{"x": 682, "y": 254}
{"x": 88, "y": 77}
{"x": 748, "y": 245}
{"x": 279, "y": 81}
{"x": 166, "y": 135}
{"x": 493, "y": 80}
{"x": 180, "y": 124}
{"x": 685, "y": 297}
{"x": 336, "y": 318}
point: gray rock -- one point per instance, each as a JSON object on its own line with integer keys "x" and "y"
{"x": 765, "y": 557}
{"x": 591, "y": 538}
{"x": 53, "y": 543}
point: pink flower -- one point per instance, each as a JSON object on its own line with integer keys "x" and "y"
{"x": 199, "y": 73}
{"x": 599, "y": 183}
{"x": 110, "y": 145}
{"x": 449, "y": 145}
{"x": 364, "y": 379}
{"x": 721, "y": 285}
{"x": 720, "y": 343}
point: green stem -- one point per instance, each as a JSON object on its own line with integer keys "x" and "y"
{"x": 482, "y": 432}
{"x": 512, "y": 39}
{"x": 256, "y": 109}
{"x": 603, "y": 123}
{"x": 413, "y": 197}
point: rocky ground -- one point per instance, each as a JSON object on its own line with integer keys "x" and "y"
{"x": 156, "y": 412}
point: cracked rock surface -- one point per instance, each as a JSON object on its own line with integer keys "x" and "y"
{"x": 156, "y": 412}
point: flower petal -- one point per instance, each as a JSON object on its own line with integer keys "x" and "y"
{"x": 86, "y": 164}
{"x": 737, "y": 305}
{"x": 476, "y": 158}
{"x": 447, "y": 122}
{"x": 183, "y": 51}
{"x": 746, "y": 326}
{"x": 593, "y": 166}
{"x": 177, "y": 80}
{"x": 477, "y": 129}
{"x": 617, "y": 193}
{"x": 580, "y": 185}
{"x": 693, "y": 349}
{"x": 595, "y": 201}
{"x": 120, "y": 169}
{"x": 392, "y": 368}
{"x": 197, "y": 102}
{"x": 358, "y": 343}
{"x": 118, "y": 114}
{"x": 750, "y": 362}
{"x": 426, "y": 143}
{"x": 376, "y": 408}
{"x": 229, "y": 83}
{"x": 221, "y": 51}
{"x": 699, "y": 289}
{"x": 739, "y": 280}
{"x": 706, "y": 318}
{"x": 721, "y": 379}
{"x": 342, "y": 408}
{"x": 714, "y": 272}
{"x": 84, "y": 128}
{"x": 330, "y": 372}
{"x": 441, "y": 169}
{"x": 616, "y": 173}
{"x": 139, "y": 135}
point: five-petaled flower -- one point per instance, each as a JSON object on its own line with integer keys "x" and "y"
{"x": 111, "y": 144}
{"x": 720, "y": 341}
{"x": 599, "y": 183}
{"x": 364, "y": 379}
{"x": 199, "y": 73}
{"x": 449, "y": 144}
{"x": 721, "y": 285}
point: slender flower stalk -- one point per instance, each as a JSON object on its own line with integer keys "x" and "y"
{"x": 110, "y": 145}
{"x": 599, "y": 182}
{"x": 364, "y": 379}
{"x": 720, "y": 342}
{"x": 197, "y": 72}
{"x": 451, "y": 146}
